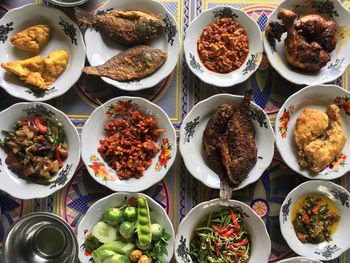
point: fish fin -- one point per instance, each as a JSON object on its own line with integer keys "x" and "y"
{"x": 84, "y": 16}
{"x": 91, "y": 71}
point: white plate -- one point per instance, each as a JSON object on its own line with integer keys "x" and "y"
{"x": 67, "y": 3}
{"x": 100, "y": 49}
{"x": 97, "y": 210}
{"x": 340, "y": 239}
{"x": 66, "y": 35}
{"x": 191, "y": 133}
{"x": 298, "y": 260}
{"x": 260, "y": 238}
{"x": 93, "y": 131}
{"x": 318, "y": 97}
{"x": 194, "y": 32}
{"x": 340, "y": 58}
{"x": 19, "y": 188}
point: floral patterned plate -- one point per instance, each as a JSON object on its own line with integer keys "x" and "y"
{"x": 191, "y": 134}
{"x": 318, "y": 97}
{"x": 254, "y": 56}
{"x": 20, "y": 188}
{"x": 93, "y": 131}
{"x": 340, "y": 59}
{"x": 261, "y": 248}
{"x": 99, "y": 49}
{"x": 340, "y": 239}
{"x": 66, "y": 35}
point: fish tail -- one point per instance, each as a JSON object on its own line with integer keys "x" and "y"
{"x": 84, "y": 16}
{"x": 91, "y": 71}
{"x": 246, "y": 100}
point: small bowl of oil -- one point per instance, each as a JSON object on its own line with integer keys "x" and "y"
{"x": 314, "y": 220}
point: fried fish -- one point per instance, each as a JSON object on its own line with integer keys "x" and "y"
{"x": 129, "y": 28}
{"x": 135, "y": 63}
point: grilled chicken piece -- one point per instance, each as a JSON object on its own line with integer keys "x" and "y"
{"x": 212, "y": 135}
{"x": 135, "y": 63}
{"x": 309, "y": 39}
{"x": 32, "y": 39}
{"x": 238, "y": 149}
{"x": 321, "y": 153}
{"x": 125, "y": 27}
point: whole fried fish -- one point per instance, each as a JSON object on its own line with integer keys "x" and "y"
{"x": 238, "y": 148}
{"x": 129, "y": 28}
{"x": 135, "y": 63}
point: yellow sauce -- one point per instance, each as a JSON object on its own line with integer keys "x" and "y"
{"x": 332, "y": 208}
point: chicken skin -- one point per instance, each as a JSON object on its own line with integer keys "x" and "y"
{"x": 32, "y": 39}
{"x": 39, "y": 71}
{"x": 321, "y": 153}
{"x": 311, "y": 124}
{"x": 309, "y": 40}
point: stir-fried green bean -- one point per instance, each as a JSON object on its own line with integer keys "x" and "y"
{"x": 220, "y": 238}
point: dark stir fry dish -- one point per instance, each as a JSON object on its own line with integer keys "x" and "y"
{"x": 35, "y": 148}
{"x": 220, "y": 237}
{"x": 315, "y": 220}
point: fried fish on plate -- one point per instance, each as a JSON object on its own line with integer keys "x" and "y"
{"x": 32, "y": 39}
{"x": 129, "y": 28}
{"x": 135, "y": 63}
{"x": 39, "y": 71}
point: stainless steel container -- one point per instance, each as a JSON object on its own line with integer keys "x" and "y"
{"x": 40, "y": 238}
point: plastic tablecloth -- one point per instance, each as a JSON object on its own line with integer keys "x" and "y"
{"x": 176, "y": 94}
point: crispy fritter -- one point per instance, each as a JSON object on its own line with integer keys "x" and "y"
{"x": 39, "y": 71}
{"x": 32, "y": 39}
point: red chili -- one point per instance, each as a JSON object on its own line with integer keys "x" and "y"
{"x": 228, "y": 232}
{"x": 24, "y": 122}
{"x": 41, "y": 127}
{"x": 217, "y": 251}
{"x": 220, "y": 230}
{"x": 234, "y": 219}
{"x": 58, "y": 158}
{"x": 239, "y": 244}
{"x": 306, "y": 218}
{"x": 315, "y": 209}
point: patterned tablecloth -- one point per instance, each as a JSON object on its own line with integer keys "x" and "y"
{"x": 177, "y": 94}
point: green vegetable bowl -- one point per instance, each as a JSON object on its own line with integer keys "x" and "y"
{"x": 125, "y": 227}
{"x": 241, "y": 233}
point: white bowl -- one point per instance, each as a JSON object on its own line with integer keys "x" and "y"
{"x": 100, "y": 49}
{"x": 97, "y": 210}
{"x": 339, "y": 57}
{"x": 254, "y": 56}
{"x": 260, "y": 238}
{"x": 298, "y": 260}
{"x": 191, "y": 133}
{"x": 340, "y": 240}
{"x": 19, "y": 188}
{"x": 93, "y": 131}
{"x": 66, "y": 35}
{"x": 67, "y": 3}
{"x": 318, "y": 97}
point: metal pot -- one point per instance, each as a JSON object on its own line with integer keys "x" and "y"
{"x": 40, "y": 238}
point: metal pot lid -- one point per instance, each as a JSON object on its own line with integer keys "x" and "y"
{"x": 40, "y": 238}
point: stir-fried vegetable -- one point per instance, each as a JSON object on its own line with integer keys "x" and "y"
{"x": 35, "y": 149}
{"x": 314, "y": 220}
{"x": 221, "y": 238}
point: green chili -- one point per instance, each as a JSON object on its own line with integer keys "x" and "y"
{"x": 60, "y": 133}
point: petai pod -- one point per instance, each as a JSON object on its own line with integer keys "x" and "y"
{"x": 144, "y": 234}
